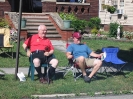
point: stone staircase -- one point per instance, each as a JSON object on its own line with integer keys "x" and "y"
{"x": 35, "y": 19}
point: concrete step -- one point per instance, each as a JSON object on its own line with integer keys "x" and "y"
{"x": 38, "y": 20}
{"x": 50, "y": 36}
{"x": 35, "y": 14}
{"x": 37, "y": 24}
{"x": 48, "y": 32}
{"x": 36, "y": 27}
{"x": 35, "y": 19}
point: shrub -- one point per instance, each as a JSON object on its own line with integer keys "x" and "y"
{"x": 4, "y": 23}
{"x": 76, "y": 23}
{"x": 79, "y": 25}
{"x": 67, "y": 16}
{"x": 113, "y": 29}
{"x": 94, "y": 31}
{"x": 111, "y": 9}
{"x": 94, "y": 23}
{"x": 128, "y": 35}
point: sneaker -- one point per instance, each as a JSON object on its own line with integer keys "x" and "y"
{"x": 87, "y": 79}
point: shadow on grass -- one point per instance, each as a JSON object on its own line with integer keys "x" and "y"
{"x": 124, "y": 55}
{"x": 10, "y": 54}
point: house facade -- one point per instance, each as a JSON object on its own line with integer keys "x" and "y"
{"x": 123, "y": 14}
{"x": 91, "y": 8}
{"x": 82, "y": 10}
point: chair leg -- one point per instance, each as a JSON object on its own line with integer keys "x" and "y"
{"x": 45, "y": 71}
{"x": 29, "y": 71}
{"x": 120, "y": 70}
{"x": 70, "y": 69}
{"x": 48, "y": 75}
{"x": 32, "y": 72}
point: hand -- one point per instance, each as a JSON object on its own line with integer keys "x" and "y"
{"x": 100, "y": 55}
{"x": 46, "y": 53}
{"x": 28, "y": 53}
{"x": 70, "y": 57}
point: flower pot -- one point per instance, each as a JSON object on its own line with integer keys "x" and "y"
{"x": 66, "y": 23}
{"x": 23, "y": 23}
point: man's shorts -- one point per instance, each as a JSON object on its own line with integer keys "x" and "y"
{"x": 43, "y": 59}
{"x": 88, "y": 61}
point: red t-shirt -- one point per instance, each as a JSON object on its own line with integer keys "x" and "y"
{"x": 36, "y": 43}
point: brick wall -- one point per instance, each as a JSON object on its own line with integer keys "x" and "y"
{"x": 91, "y": 12}
{"x": 48, "y": 6}
{"x": 125, "y": 28}
{"x": 94, "y": 8}
{"x": 5, "y": 6}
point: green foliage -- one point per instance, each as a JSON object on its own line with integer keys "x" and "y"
{"x": 79, "y": 25}
{"x": 94, "y": 23}
{"x": 105, "y": 6}
{"x": 111, "y": 9}
{"x": 76, "y": 23}
{"x": 94, "y": 31}
{"x": 113, "y": 29}
{"x": 128, "y": 35}
{"x": 67, "y": 16}
{"x": 4, "y": 23}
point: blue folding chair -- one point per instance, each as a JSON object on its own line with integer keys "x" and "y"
{"x": 112, "y": 60}
{"x": 32, "y": 69}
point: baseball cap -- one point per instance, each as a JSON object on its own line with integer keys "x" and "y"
{"x": 76, "y": 35}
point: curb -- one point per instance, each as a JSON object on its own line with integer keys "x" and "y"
{"x": 80, "y": 94}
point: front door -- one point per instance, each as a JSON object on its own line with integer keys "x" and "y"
{"x": 34, "y": 6}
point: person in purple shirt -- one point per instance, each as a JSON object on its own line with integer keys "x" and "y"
{"x": 81, "y": 53}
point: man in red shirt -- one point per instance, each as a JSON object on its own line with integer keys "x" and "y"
{"x": 41, "y": 49}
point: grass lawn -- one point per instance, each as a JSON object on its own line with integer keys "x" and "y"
{"x": 12, "y": 89}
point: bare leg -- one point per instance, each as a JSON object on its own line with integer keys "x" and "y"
{"x": 81, "y": 63}
{"x": 97, "y": 65}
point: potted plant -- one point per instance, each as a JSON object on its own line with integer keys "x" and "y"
{"x": 111, "y": 9}
{"x": 23, "y": 23}
{"x": 125, "y": 16}
{"x": 67, "y": 18}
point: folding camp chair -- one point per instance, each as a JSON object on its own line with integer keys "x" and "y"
{"x": 74, "y": 68}
{"x": 5, "y": 46}
{"x": 32, "y": 69}
{"x": 111, "y": 60}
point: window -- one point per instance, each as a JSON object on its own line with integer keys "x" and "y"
{"x": 121, "y": 3}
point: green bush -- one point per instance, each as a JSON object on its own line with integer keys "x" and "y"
{"x": 79, "y": 25}
{"x": 94, "y": 31}
{"x": 76, "y": 23}
{"x": 94, "y": 23}
{"x": 111, "y": 9}
{"x": 67, "y": 16}
{"x": 3, "y": 23}
{"x": 113, "y": 29}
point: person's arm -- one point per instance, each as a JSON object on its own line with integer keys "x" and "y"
{"x": 49, "y": 50}
{"x": 49, "y": 53}
{"x": 96, "y": 55}
{"x": 26, "y": 49}
{"x": 69, "y": 55}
